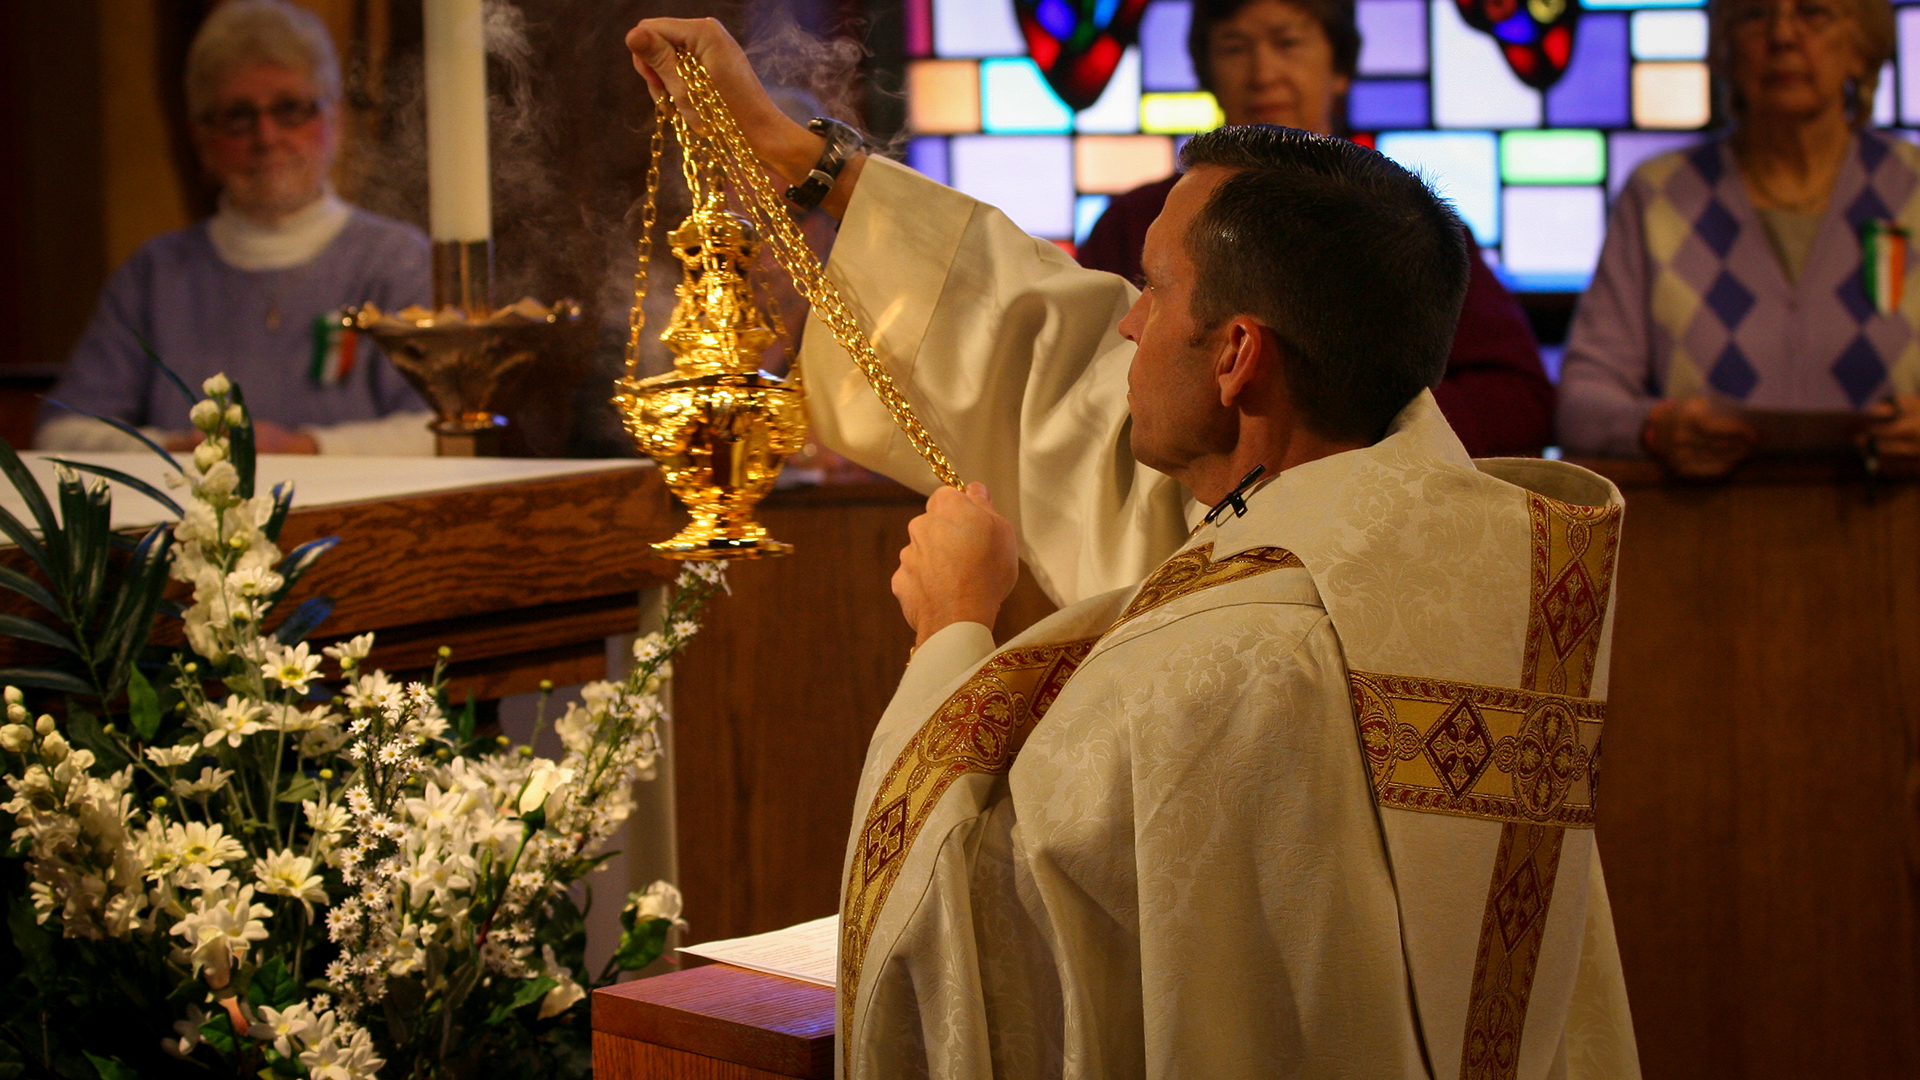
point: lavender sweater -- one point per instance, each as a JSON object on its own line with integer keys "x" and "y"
{"x": 203, "y": 316}
{"x": 1689, "y": 298}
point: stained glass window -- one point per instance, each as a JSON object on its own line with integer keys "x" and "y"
{"x": 1531, "y": 170}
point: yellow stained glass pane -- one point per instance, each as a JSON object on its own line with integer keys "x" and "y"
{"x": 943, "y": 96}
{"x": 1179, "y": 114}
{"x": 1115, "y": 164}
{"x": 1671, "y": 95}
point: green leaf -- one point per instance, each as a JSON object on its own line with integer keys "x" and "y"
{"x": 144, "y": 705}
{"x": 125, "y": 429}
{"x": 298, "y": 562}
{"x": 217, "y": 1030}
{"x": 308, "y": 615}
{"x": 128, "y": 479}
{"x": 28, "y": 630}
{"x": 240, "y": 445}
{"x": 529, "y": 992}
{"x": 304, "y": 787}
{"x": 273, "y": 985}
{"x": 86, "y": 514}
{"x": 17, "y": 532}
{"x": 129, "y": 620}
{"x": 642, "y": 944}
{"x": 29, "y": 588}
{"x": 84, "y": 729}
{"x": 110, "y": 1068}
{"x": 45, "y": 678}
{"x": 32, "y": 939}
{"x": 172, "y": 377}
{"x": 282, "y": 502}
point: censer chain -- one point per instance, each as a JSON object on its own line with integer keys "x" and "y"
{"x": 764, "y": 207}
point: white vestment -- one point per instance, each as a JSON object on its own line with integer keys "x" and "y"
{"x": 1312, "y": 799}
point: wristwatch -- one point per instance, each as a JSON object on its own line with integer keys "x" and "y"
{"x": 842, "y": 143}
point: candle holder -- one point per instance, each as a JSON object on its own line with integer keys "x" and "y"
{"x": 456, "y": 354}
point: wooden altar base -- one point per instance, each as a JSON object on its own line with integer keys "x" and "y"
{"x": 713, "y": 1023}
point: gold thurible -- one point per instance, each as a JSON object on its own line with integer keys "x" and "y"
{"x": 718, "y": 426}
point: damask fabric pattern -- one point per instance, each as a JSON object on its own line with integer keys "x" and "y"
{"x": 1184, "y": 871}
{"x": 1689, "y": 298}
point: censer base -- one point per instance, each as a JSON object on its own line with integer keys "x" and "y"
{"x": 704, "y": 540}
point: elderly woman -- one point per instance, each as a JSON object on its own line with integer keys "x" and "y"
{"x": 1743, "y": 272}
{"x": 1289, "y": 62}
{"x": 245, "y": 291}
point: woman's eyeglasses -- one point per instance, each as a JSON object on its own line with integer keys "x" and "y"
{"x": 243, "y": 118}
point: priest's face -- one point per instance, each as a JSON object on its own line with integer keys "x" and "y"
{"x": 1178, "y": 415}
{"x": 267, "y": 139}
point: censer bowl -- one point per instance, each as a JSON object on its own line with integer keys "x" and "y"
{"x": 719, "y": 441}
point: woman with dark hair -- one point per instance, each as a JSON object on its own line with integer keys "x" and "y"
{"x": 1289, "y": 63}
{"x": 1766, "y": 268}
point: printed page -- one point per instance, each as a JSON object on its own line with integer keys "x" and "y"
{"x": 809, "y": 951}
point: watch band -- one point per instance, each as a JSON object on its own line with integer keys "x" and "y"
{"x": 842, "y": 143}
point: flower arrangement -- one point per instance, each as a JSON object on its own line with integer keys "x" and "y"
{"x": 265, "y": 860}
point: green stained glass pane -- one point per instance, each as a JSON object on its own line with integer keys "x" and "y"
{"x": 1566, "y": 156}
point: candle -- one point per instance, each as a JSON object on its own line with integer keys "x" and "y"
{"x": 457, "y": 175}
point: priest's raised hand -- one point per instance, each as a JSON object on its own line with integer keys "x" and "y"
{"x": 960, "y": 565}
{"x": 785, "y": 147}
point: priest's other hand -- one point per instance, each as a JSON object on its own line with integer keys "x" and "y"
{"x": 1695, "y": 440}
{"x": 961, "y": 563}
{"x": 1898, "y": 432}
{"x": 786, "y": 147}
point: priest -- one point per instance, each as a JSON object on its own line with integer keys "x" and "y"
{"x": 1306, "y": 790}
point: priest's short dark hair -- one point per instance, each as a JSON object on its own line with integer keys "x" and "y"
{"x": 1353, "y": 262}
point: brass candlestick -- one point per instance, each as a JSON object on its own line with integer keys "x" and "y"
{"x": 456, "y": 354}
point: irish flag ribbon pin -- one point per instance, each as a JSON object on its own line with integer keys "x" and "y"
{"x": 1883, "y": 250}
{"x": 335, "y": 348}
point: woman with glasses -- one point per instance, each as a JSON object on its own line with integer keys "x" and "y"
{"x": 1770, "y": 268}
{"x": 247, "y": 291}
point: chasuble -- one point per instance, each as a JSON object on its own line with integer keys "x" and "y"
{"x": 1304, "y": 792}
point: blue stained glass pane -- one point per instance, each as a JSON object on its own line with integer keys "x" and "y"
{"x": 1373, "y": 104}
{"x": 1029, "y": 177}
{"x": 1627, "y": 149}
{"x": 1015, "y": 97}
{"x": 1472, "y": 85}
{"x": 1462, "y": 166}
{"x": 1086, "y": 211}
{"x": 1518, "y": 29}
{"x": 1056, "y": 17}
{"x": 1594, "y": 91}
{"x": 927, "y": 156}
{"x": 971, "y": 28}
{"x": 1393, "y": 37}
{"x": 1165, "y": 64}
{"x": 1103, "y": 12}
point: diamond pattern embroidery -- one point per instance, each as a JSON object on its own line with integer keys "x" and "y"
{"x": 1459, "y": 747}
{"x": 1732, "y": 374}
{"x": 1859, "y": 371}
{"x": 1717, "y": 227}
{"x": 1518, "y": 904}
{"x": 1729, "y": 299}
{"x": 1570, "y": 609}
{"x": 886, "y": 837}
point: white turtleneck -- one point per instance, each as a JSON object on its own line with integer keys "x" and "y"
{"x": 245, "y": 244}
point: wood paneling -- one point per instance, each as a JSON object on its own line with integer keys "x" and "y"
{"x": 1758, "y": 817}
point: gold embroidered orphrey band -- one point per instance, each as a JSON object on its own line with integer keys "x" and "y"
{"x": 978, "y": 730}
{"x": 1573, "y": 549}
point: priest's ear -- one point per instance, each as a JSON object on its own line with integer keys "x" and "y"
{"x": 1247, "y": 365}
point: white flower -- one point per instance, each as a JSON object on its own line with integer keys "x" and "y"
{"x": 218, "y": 479}
{"x": 205, "y": 415}
{"x": 211, "y": 780}
{"x": 205, "y": 845}
{"x": 236, "y": 415}
{"x": 325, "y": 820}
{"x": 373, "y": 691}
{"x": 189, "y": 1030}
{"x": 216, "y": 386}
{"x": 285, "y": 874}
{"x": 233, "y": 721}
{"x": 284, "y": 1028}
{"x": 222, "y": 931}
{"x": 293, "y": 668}
{"x": 545, "y": 779}
{"x": 355, "y": 649}
{"x": 172, "y": 757}
{"x": 561, "y": 997}
{"x": 660, "y": 901}
{"x": 16, "y": 737}
{"x": 254, "y": 581}
{"x": 53, "y": 748}
{"x": 343, "y": 1053}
